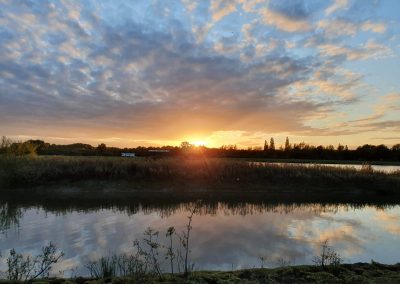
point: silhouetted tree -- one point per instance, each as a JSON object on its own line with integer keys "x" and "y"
{"x": 5, "y": 144}
{"x": 330, "y": 148}
{"x": 272, "y": 144}
{"x": 265, "y": 145}
{"x": 186, "y": 145}
{"x": 228, "y": 147}
{"x": 101, "y": 148}
{"x": 287, "y": 144}
{"x": 381, "y": 152}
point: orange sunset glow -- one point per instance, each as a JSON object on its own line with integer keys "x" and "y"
{"x": 199, "y": 141}
{"x": 209, "y": 72}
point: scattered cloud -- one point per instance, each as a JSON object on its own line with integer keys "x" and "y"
{"x": 283, "y": 22}
{"x": 369, "y": 50}
{"x": 154, "y": 72}
{"x": 220, "y": 9}
{"x": 338, "y": 28}
{"x": 190, "y": 5}
{"x": 374, "y": 27}
{"x": 336, "y": 5}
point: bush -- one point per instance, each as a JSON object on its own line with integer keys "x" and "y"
{"x": 327, "y": 256}
{"x": 23, "y": 268}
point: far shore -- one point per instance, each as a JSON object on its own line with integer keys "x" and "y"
{"x": 61, "y": 174}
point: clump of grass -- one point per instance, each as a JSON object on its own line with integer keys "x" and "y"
{"x": 105, "y": 267}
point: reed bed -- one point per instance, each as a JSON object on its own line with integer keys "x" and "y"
{"x": 188, "y": 171}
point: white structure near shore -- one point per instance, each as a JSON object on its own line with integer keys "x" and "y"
{"x": 128, "y": 155}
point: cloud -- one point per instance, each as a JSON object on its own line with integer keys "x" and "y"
{"x": 220, "y": 9}
{"x": 387, "y": 138}
{"x": 336, "y": 5}
{"x": 369, "y": 50}
{"x": 389, "y": 103}
{"x": 338, "y": 28}
{"x": 148, "y": 72}
{"x": 374, "y": 27}
{"x": 190, "y": 5}
{"x": 125, "y": 77}
{"x": 283, "y": 22}
{"x": 250, "y": 5}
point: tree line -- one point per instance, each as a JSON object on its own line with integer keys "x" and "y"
{"x": 301, "y": 150}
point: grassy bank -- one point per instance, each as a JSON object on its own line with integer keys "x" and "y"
{"x": 202, "y": 172}
{"x": 344, "y": 273}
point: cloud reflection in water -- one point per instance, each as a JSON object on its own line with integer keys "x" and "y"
{"x": 222, "y": 237}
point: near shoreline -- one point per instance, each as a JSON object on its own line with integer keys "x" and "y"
{"x": 344, "y": 273}
{"x": 118, "y": 192}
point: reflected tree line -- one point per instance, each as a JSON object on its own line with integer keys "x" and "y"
{"x": 289, "y": 150}
{"x": 10, "y": 215}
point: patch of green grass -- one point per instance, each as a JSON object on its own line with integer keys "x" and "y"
{"x": 345, "y": 273}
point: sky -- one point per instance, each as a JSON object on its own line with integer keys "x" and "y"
{"x": 158, "y": 72}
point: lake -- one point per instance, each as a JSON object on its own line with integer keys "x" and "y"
{"x": 225, "y": 235}
{"x": 380, "y": 168}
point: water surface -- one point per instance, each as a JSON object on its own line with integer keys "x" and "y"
{"x": 380, "y": 168}
{"x": 224, "y": 235}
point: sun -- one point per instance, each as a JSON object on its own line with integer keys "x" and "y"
{"x": 199, "y": 143}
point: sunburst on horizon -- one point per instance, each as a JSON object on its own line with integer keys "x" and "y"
{"x": 199, "y": 143}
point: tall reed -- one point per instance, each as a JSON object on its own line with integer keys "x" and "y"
{"x": 206, "y": 171}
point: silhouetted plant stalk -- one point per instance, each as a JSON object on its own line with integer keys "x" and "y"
{"x": 262, "y": 260}
{"x": 151, "y": 241}
{"x": 132, "y": 265}
{"x": 170, "y": 248}
{"x": 186, "y": 238}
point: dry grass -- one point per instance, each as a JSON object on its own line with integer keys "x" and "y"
{"x": 40, "y": 170}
